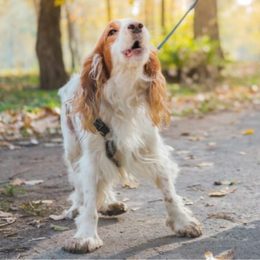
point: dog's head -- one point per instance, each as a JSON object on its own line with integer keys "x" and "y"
{"x": 123, "y": 45}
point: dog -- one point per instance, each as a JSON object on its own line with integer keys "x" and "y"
{"x": 110, "y": 119}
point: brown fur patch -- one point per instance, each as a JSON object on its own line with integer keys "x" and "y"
{"x": 157, "y": 97}
{"x": 87, "y": 100}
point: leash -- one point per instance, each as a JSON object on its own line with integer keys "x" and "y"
{"x": 177, "y": 25}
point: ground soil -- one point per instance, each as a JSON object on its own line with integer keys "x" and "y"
{"x": 207, "y": 149}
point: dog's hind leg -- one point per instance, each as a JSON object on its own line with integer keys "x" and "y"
{"x": 107, "y": 202}
{"x": 180, "y": 219}
{"x": 163, "y": 171}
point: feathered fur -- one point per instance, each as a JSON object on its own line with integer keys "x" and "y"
{"x": 121, "y": 83}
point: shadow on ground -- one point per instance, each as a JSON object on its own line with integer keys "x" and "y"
{"x": 243, "y": 239}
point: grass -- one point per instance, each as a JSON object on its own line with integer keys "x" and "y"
{"x": 20, "y": 92}
{"x": 181, "y": 90}
{"x": 12, "y": 191}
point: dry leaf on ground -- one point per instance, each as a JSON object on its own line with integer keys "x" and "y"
{"x": 135, "y": 208}
{"x": 222, "y": 215}
{"x": 47, "y": 202}
{"x": 225, "y": 182}
{"x": 58, "y": 228}
{"x": 205, "y": 164}
{"x": 62, "y": 216}
{"x": 19, "y": 182}
{"x": 221, "y": 193}
{"x": 33, "y": 182}
{"x": 248, "y": 132}
{"x": 6, "y": 218}
{"x": 226, "y": 255}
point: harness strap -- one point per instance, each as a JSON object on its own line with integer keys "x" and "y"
{"x": 110, "y": 146}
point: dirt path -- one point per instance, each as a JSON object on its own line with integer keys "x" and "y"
{"x": 208, "y": 150}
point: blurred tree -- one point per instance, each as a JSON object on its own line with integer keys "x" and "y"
{"x": 163, "y": 22}
{"x": 206, "y": 22}
{"x": 149, "y": 14}
{"x": 72, "y": 36}
{"x": 109, "y": 10}
{"x": 36, "y": 6}
{"x": 48, "y": 46}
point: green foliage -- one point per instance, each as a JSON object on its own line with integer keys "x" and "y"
{"x": 20, "y": 93}
{"x": 181, "y": 90}
{"x": 188, "y": 53}
{"x": 12, "y": 191}
{"x": 184, "y": 57}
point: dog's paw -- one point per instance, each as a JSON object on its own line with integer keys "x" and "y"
{"x": 186, "y": 228}
{"x": 82, "y": 245}
{"x": 114, "y": 209}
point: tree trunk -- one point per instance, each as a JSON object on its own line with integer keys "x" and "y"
{"x": 163, "y": 17}
{"x": 109, "y": 11}
{"x": 72, "y": 38}
{"x": 206, "y": 21}
{"x": 149, "y": 14}
{"x": 48, "y": 46}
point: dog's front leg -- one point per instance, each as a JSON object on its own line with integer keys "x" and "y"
{"x": 86, "y": 238}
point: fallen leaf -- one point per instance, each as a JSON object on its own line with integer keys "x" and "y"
{"x": 225, "y": 182}
{"x": 248, "y": 132}
{"x": 205, "y": 164}
{"x": 62, "y": 216}
{"x": 185, "y": 134}
{"x": 183, "y": 152}
{"x": 58, "y": 228}
{"x": 37, "y": 239}
{"x": 196, "y": 138}
{"x": 212, "y": 145}
{"x": 135, "y": 208}
{"x": 17, "y": 182}
{"x": 221, "y": 193}
{"x": 221, "y": 215}
{"x": 226, "y": 255}
{"x": 5, "y": 214}
{"x": 48, "y": 202}
{"x": 33, "y": 182}
{"x": 50, "y": 145}
{"x": 6, "y": 218}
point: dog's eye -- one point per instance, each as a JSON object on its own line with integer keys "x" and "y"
{"x": 112, "y": 32}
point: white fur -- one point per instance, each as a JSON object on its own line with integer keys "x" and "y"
{"x": 125, "y": 111}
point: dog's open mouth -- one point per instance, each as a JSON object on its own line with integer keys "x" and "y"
{"x": 136, "y": 49}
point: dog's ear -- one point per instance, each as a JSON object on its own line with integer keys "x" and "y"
{"x": 92, "y": 80}
{"x": 157, "y": 97}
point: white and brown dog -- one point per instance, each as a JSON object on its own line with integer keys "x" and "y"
{"x": 121, "y": 86}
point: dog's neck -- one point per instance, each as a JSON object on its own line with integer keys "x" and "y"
{"x": 125, "y": 90}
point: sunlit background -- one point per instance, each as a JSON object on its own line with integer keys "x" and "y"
{"x": 239, "y": 23}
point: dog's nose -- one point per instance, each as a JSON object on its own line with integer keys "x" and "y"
{"x": 135, "y": 27}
